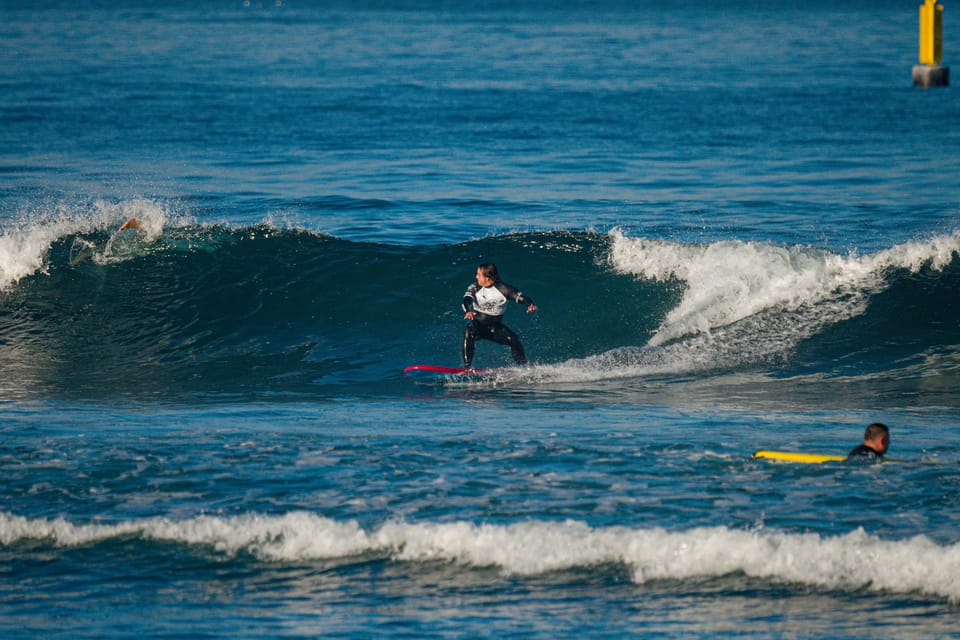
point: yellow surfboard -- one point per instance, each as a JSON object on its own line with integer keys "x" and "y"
{"x": 790, "y": 456}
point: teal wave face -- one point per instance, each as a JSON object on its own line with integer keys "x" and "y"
{"x": 259, "y": 310}
{"x": 909, "y": 329}
{"x": 212, "y": 312}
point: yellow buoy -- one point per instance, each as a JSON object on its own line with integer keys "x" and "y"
{"x": 930, "y": 73}
{"x": 931, "y": 32}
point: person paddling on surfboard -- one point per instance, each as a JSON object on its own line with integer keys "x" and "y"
{"x": 483, "y": 305}
{"x": 876, "y": 440}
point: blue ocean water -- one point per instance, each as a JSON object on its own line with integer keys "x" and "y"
{"x": 739, "y": 221}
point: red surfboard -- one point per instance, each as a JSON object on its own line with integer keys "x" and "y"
{"x": 423, "y": 371}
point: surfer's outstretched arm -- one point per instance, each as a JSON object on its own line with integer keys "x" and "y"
{"x": 131, "y": 223}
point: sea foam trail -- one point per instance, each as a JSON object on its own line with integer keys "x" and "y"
{"x": 730, "y": 281}
{"x": 852, "y": 561}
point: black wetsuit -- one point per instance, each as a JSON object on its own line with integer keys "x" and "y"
{"x": 488, "y": 304}
{"x": 864, "y": 453}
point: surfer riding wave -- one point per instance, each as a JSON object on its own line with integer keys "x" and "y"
{"x": 483, "y": 304}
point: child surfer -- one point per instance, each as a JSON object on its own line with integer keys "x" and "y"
{"x": 483, "y": 305}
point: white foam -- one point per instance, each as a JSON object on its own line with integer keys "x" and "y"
{"x": 24, "y": 245}
{"x": 727, "y": 282}
{"x": 852, "y": 561}
{"x": 152, "y": 215}
{"x": 22, "y": 250}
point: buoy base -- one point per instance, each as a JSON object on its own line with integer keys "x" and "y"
{"x": 925, "y": 75}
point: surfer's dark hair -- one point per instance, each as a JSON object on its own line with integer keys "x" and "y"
{"x": 490, "y": 270}
{"x": 876, "y": 430}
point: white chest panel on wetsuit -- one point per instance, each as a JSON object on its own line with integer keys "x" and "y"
{"x": 489, "y": 300}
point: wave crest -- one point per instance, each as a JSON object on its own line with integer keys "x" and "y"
{"x": 730, "y": 281}
{"x": 848, "y": 562}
